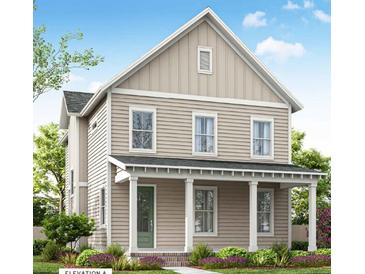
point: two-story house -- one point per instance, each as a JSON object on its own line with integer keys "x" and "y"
{"x": 191, "y": 143}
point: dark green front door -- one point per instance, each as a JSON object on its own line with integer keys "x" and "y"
{"x": 145, "y": 211}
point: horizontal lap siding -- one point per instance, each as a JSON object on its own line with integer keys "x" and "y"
{"x": 175, "y": 70}
{"x": 97, "y": 171}
{"x": 174, "y": 127}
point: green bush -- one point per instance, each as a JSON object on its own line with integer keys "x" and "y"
{"x": 84, "y": 246}
{"x": 116, "y": 250}
{"x": 38, "y": 246}
{"x": 69, "y": 258}
{"x": 83, "y": 258}
{"x": 282, "y": 254}
{"x": 323, "y": 251}
{"x": 200, "y": 251}
{"x": 121, "y": 263}
{"x": 51, "y": 251}
{"x": 262, "y": 257}
{"x": 296, "y": 253}
{"x": 231, "y": 252}
{"x": 299, "y": 245}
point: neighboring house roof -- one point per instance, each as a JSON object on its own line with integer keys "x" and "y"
{"x": 242, "y": 50}
{"x": 178, "y": 162}
{"x": 76, "y": 100}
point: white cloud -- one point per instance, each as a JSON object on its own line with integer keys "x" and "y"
{"x": 279, "y": 50}
{"x": 308, "y": 4}
{"x": 255, "y": 20}
{"x": 75, "y": 78}
{"x": 93, "y": 86}
{"x": 322, "y": 16}
{"x": 291, "y": 6}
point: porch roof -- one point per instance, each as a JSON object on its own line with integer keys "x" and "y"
{"x": 154, "y": 162}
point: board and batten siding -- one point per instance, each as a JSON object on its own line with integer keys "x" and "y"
{"x": 176, "y": 70}
{"x": 97, "y": 171}
{"x": 174, "y": 127}
{"x": 233, "y": 214}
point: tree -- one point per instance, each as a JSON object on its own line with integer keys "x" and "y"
{"x": 313, "y": 159}
{"x": 49, "y": 165}
{"x": 52, "y": 66}
{"x": 42, "y": 209}
{"x": 64, "y": 229}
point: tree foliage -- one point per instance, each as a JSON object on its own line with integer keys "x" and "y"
{"x": 42, "y": 209}
{"x": 313, "y": 159}
{"x": 64, "y": 229}
{"x": 49, "y": 165}
{"x": 52, "y": 66}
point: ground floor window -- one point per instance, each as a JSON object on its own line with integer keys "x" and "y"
{"x": 265, "y": 207}
{"x": 205, "y": 210}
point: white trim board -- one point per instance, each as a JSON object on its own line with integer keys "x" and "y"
{"x": 171, "y": 95}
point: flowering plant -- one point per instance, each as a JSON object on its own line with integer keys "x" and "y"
{"x": 324, "y": 227}
{"x": 214, "y": 262}
{"x": 151, "y": 263}
{"x": 311, "y": 260}
{"x": 101, "y": 260}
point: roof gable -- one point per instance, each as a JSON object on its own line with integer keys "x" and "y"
{"x": 230, "y": 38}
{"x": 75, "y": 101}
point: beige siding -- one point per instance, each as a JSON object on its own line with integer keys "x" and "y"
{"x": 175, "y": 70}
{"x": 233, "y": 214}
{"x": 174, "y": 127}
{"x": 97, "y": 170}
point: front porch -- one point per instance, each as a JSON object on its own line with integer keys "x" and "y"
{"x": 174, "y": 223}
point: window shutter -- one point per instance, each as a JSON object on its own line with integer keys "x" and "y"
{"x": 205, "y": 60}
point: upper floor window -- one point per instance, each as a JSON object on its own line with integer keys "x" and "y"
{"x": 205, "y": 210}
{"x": 204, "y": 133}
{"x": 265, "y": 209}
{"x": 262, "y": 132}
{"x": 205, "y": 60}
{"x": 72, "y": 181}
{"x": 142, "y": 122}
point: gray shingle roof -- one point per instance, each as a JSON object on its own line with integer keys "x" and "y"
{"x": 156, "y": 161}
{"x": 75, "y": 100}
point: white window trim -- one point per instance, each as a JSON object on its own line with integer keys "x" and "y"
{"x": 272, "y": 223}
{"x": 102, "y": 225}
{"x": 206, "y": 114}
{"x": 154, "y": 217}
{"x": 206, "y": 49}
{"x": 262, "y": 119}
{"x": 215, "y": 211}
{"x": 145, "y": 109}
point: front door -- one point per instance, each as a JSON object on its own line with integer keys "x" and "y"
{"x": 145, "y": 213}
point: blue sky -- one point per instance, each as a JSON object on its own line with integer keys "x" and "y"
{"x": 292, "y": 38}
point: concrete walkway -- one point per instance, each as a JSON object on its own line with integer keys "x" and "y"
{"x": 189, "y": 270}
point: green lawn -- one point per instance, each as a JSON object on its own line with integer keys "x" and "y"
{"x": 309, "y": 270}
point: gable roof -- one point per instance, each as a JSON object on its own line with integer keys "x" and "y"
{"x": 240, "y": 48}
{"x": 76, "y": 101}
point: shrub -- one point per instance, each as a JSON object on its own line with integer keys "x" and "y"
{"x": 235, "y": 261}
{"x": 51, "y": 251}
{"x": 64, "y": 229}
{"x": 134, "y": 264}
{"x": 151, "y": 263}
{"x": 311, "y": 260}
{"x": 83, "y": 258}
{"x": 232, "y": 252}
{"x": 299, "y": 245}
{"x": 199, "y": 252}
{"x": 296, "y": 253}
{"x": 69, "y": 258}
{"x": 120, "y": 263}
{"x": 84, "y": 246}
{"x": 323, "y": 251}
{"x": 282, "y": 254}
{"x": 116, "y": 250}
{"x": 212, "y": 263}
{"x": 324, "y": 227}
{"x": 101, "y": 260}
{"x": 38, "y": 246}
{"x": 262, "y": 257}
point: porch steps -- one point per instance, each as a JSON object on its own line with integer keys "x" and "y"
{"x": 172, "y": 259}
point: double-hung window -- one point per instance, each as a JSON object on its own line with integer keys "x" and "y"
{"x": 265, "y": 211}
{"x": 262, "y": 143}
{"x": 142, "y": 123}
{"x": 204, "y": 134}
{"x": 205, "y": 210}
{"x": 102, "y": 206}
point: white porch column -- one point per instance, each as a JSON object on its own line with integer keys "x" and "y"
{"x": 133, "y": 214}
{"x": 312, "y": 239}
{"x": 289, "y": 219}
{"x": 189, "y": 194}
{"x": 253, "y": 216}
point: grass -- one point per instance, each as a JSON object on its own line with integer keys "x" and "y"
{"x": 308, "y": 270}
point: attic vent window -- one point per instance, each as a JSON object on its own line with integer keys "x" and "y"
{"x": 205, "y": 60}
{"x": 94, "y": 126}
